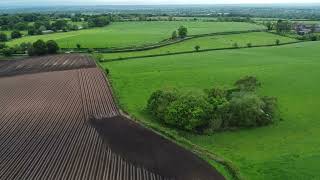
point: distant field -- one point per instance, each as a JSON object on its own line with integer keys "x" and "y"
{"x": 8, "y": 33}
{"x": 209, "y": 42}
{"x": 124, "y": 34}
{"x": 287, "y": 150}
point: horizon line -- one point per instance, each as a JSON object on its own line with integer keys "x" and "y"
{"x": 177, "y": 4}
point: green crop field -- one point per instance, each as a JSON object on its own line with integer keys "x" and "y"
{"x": 209, "y": 42}
{"x": 128, "y": 34}
{"x": 289, "y": 149}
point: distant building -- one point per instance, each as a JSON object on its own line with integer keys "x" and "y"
{"x": 303, "y": 29}
{"x": 47, "y": 32}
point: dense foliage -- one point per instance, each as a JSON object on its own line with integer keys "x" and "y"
{"x": 3, "y": 37}
{"x": 40, "y": 47}
{"x": 98, "y": 21}
{"x": 16, "y": 34}
{"x": 182, "y": 31}
{"x": 218, "y": 109}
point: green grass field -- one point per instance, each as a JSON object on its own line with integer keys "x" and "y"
{"x": 289, "y": 149}
{"x": 8, "y": 33}
{"x": 127, "y": 34}
{"x": 209, "y": 42}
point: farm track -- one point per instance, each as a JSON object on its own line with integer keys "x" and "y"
{"x": 47, "y": 130}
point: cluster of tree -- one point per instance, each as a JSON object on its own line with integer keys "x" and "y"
{"x": 37, "y": 48}
{"x": 218, "y": 109}
{"x": 310, "y": 37}
{"x": 39, "y": 27}
{"x": 99, "y": 21}
{"x": 182, "y": 33}
{"x": 14, "y": 35}
{"x": 281, "y": 26}
{"x": 37, "y": 24}
{"x": 17, "y": 49}
{"x": 40, "y": 48}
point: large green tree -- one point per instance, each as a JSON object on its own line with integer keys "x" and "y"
{"x": 52, "y": 47}
{"x": 182, "y": 31}
{"x": 40, "y": 47}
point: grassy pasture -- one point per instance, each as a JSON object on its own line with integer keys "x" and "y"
{"x": 124, "y": 34}
{"x": 8, "y": 33}
{"x": 209, "y": 42}
{"x": 289, "y": 149}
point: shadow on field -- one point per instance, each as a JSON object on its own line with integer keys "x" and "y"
{"x": 145, "y": 148}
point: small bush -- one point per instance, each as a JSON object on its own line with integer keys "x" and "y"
{"x": 31, "y": 51}
{"x": 3, "y": 37}
{"x": 313, "y": 37}
{"x": 107, "y": 71}
{"x": 25, "y": 46}
{"x": 2, "y": 45}
{"x": 197, "y": 48}
{"x": 98, "y": 57}
{"x": 249, "y": 45}
{"x": 277, "y": 42}
{"x": 174, "y": 35}
{"x": 248, "y": 83}
{"x": 7, "y": 51}
{"x": 16, "y": 34}
{"x": 235, "y": 45}
{"x": 90, "y": 50}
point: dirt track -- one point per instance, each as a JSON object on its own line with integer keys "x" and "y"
{"x": 46, "y": 132}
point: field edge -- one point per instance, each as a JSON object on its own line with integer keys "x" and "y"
{"x": 225, "y": 167}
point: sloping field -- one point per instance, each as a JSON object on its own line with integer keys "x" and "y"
{"x": 44, "y": 64}
{"x": 48, "y": 131}
{"x": 289, "y": 149}
{"x": 128, "y": 34}
{"x": 209, "y": 42}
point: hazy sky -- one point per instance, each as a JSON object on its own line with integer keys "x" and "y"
{"x": 152, "y": 2}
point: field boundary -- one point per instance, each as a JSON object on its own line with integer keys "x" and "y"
{"x": 183, "y": 142}
{"x": 173, "y": 137}
{"x": 163, "y": 43}
{"x": 199, "y": 51}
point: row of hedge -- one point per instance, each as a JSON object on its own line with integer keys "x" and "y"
{"x": 200, "y": 50}
{"x": 163, "y": 43}
{"x": 219, "y": 109}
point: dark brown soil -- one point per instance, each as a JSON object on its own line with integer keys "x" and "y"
{"x": 45, "y": 64}
{"x": 46, "y": 132}
{"x": 155, "y": 153}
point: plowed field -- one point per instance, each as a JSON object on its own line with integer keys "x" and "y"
{"x": 47, "y": 132}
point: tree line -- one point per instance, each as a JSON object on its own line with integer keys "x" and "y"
{"x": 37, "y": 48}
{"x": 37, "y": 24}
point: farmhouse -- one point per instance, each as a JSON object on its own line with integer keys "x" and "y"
{"x": 303, "y": 29}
